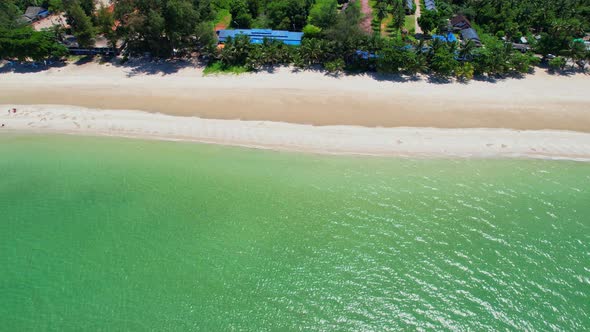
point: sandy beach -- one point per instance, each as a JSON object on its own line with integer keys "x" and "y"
{"x": 540, "y": 116}
{"x": 539, "y": 101}
{"x": 408, "y": 142}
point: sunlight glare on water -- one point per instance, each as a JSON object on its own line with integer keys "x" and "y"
{"x": 110, "y": 234}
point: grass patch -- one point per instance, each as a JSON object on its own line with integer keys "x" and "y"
{"x": 75, "y": 58}
{"x": 223, "y": 18}
{"x": 410, "y": 22}
{"x": 218, "y": 68}
{"x": 385, "y": 31}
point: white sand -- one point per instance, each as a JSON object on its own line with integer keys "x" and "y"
{"x": 540, "y": 116}
{"x": 414, "y": 142}
{"x": 537, "y": 102}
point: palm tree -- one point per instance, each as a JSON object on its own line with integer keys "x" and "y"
{"x": 466, "y": 52}
{"x": 311, "y": 51}
{"x": 381, "y": 11}
{"x": 577, "y": 53}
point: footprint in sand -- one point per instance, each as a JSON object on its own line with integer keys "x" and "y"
{"x": 489, "y": 145}
{"x": 400, "y": 141}
{"x": 504, "y": 146}
{"x": 77, "y": 124}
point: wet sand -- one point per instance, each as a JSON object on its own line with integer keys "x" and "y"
{"x": 357, "y": 140}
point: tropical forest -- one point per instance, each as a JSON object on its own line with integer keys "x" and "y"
{"x": 442, "y": 38}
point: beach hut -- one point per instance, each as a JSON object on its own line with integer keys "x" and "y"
{"x": 257, "y": 36}
{"x": 460, "y": 22}
{"x": 470, "y": 34}
{"x": 35, "y": 13}
{"x": 523, "y": 48}
{"x": 409, "y": 6}
{"x": 430, "y": 5}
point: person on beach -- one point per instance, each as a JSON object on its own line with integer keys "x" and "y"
{"x": 14, "y": 110}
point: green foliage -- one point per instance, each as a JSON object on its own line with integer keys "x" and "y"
{"x": 205, "y": 39}
{"x": 335, "y": 66}
{"x": 559, "y": 36}
{"x": 268, "y": 54}
{"x": 392, "y": 58}
{"x": 323, "y": 13}
{"x": 464, "y": 72}
{"x": 557, "y": 63}
{"x": 236, "y": 51}
{"x": 9, "y": 14}
{"x": 80, "y": 24}
{"x": 241, "y": 17}
{"x": 219, "y": 68}
{"x": 577, "y": 53}
{"x": 222, "y": 16}
{"x": 346, "y": 29}
{"x": 288, "y": 14}
{"x": 416, "y": 62}
{"x": 55, "y": 5}
{"x": 332, "y": 38}
{"x": 398, "y": 12}
{"x": 23, "y": 43}
{"x": 442, "y": 58}
{"x": 522, "y": 63}
{"x": 105, "y": 21}
{"x": 492, "y": 59}
{"x": 409, "y": 23}
{"x": 381, "y": 11}
{"x": 513, "y": 17}
{"x": 312, "y": 52}
{"x": 87, "y": 6}
{"x": 180, "y": 19}
{"x": 311, "y": 31}
{"x": 164, "y": 27}
{"x": 429, "y": 20}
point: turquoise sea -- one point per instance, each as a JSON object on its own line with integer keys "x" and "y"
{"x": 101, "y": 234}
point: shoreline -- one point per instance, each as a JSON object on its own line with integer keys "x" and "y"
{"x": 537, "y": 102}
{"x": 336, "y": 140}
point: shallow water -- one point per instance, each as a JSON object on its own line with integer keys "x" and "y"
{"x": 110, "y": 234}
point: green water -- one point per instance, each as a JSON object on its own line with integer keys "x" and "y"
{"x": 100, "y": 234}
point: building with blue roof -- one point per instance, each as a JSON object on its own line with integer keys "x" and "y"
{"x": 257, "y": 36}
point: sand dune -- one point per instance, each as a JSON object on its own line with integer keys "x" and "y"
{"x": 412, "y": 142}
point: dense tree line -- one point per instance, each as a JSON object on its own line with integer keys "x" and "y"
{"x": 332, "y": 36}
{"x": 556, "y": 22}
{"x": 164, "y": 27}
{"x": 344, "y": 46}
{"x": 18, "y": 41}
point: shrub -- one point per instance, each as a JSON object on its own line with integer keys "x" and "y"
{"x": 311, "y": 31}
{"x": 465, "y": 71}
{"x": 557, "y": 63}
{"x": 335, "y": 66}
